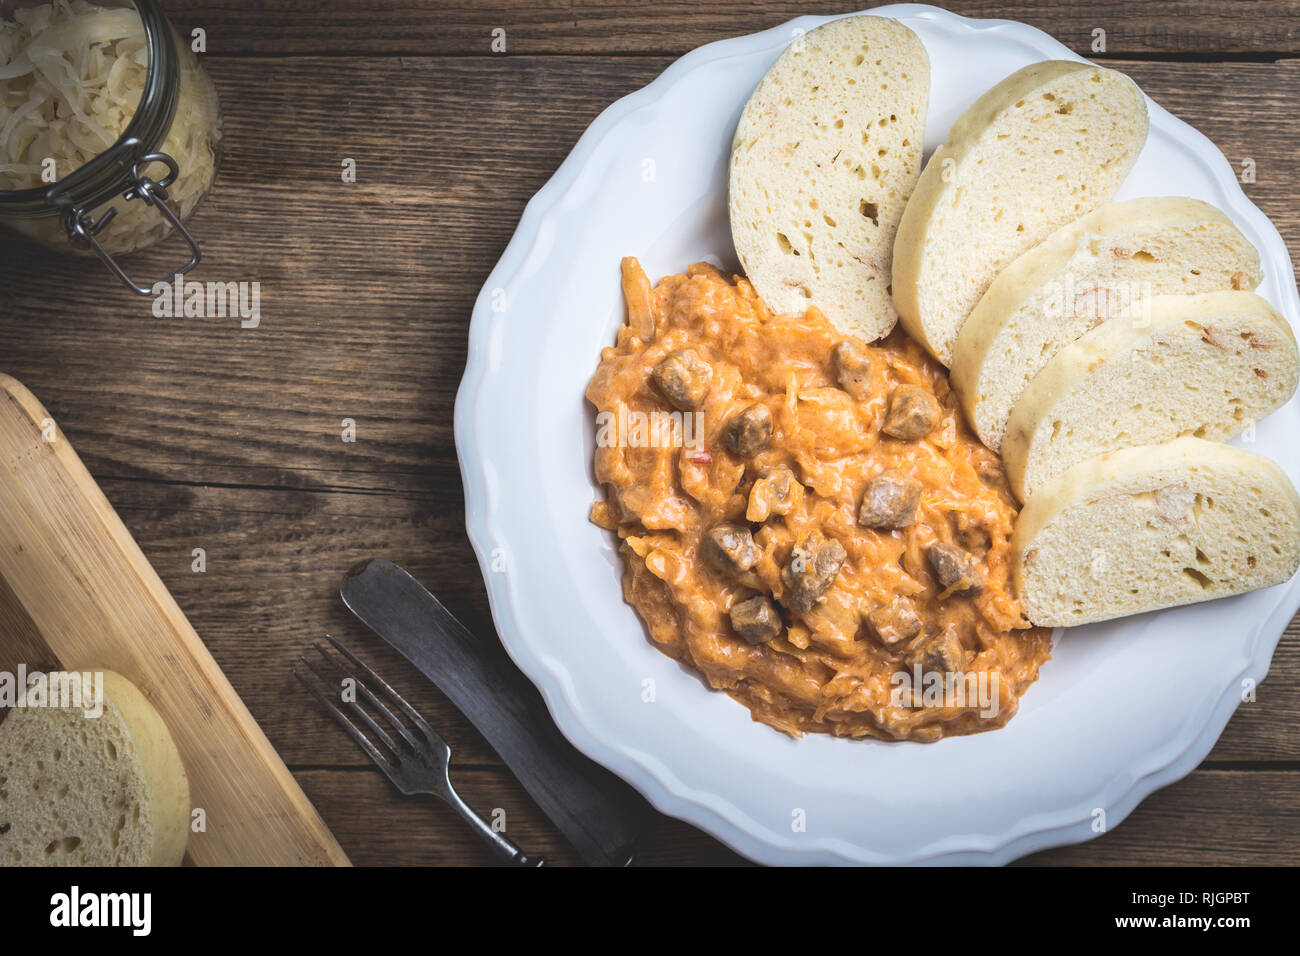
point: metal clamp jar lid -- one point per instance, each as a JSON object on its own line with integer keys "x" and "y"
{"x": 139, "y": 167}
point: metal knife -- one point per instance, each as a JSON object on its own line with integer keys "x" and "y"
{"x": 599, "y": 814}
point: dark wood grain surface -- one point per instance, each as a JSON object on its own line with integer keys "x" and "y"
{"x": 205, "y": 435}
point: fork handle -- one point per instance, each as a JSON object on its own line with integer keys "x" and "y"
{"x": 502, "y": 847}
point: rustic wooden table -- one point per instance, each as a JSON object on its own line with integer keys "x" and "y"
{"x": 206, "y": 435}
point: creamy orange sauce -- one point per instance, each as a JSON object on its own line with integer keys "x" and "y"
{"x": 829, "y": 670}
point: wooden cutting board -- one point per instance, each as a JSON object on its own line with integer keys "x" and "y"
{"x": 77, "y": 592}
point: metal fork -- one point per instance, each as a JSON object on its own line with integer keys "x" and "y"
{"x": 420, "y": 763}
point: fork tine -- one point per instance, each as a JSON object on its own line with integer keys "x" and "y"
{"x": 355, "y": 731}
{"x": 353, "y": 708}
{"x": 370, "y": 695}
{"x": 393, "y": 695}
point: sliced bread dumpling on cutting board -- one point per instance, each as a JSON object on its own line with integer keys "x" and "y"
{"x": 1048, "y": 144}
{"x": 1084, "y": 274}
{"x": 78, "y": 789}
{"x": 1206, "y": 365}
{"x": 826, "y": 153}
{"x": 1154, "y": 527}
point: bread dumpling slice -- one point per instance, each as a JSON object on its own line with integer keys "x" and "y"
{"x": 1048, "y": 144}
{"x": 1083, "y": 274}
{"x": 825, "y": 155}
{"x": 83, "y": 790}
{"x": 1154, "y": 527}
{"x": 1205, "y": 365}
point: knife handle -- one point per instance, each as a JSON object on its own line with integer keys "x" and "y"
{"x": 503, "y": 848}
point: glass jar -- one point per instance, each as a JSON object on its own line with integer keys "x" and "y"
{"x": 141, "y": 186}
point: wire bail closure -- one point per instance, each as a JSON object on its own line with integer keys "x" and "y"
{"x": 84, "y": 228}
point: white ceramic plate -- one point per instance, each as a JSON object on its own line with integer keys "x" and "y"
{"x": 1122, "y": 709}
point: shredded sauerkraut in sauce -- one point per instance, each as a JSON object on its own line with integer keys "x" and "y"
{"x": 71, "y": 78}
{"x": 832, "y": 547}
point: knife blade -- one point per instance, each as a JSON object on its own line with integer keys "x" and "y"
{"x": 596, "y": 811}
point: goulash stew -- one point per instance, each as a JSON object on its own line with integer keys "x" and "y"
{"x": 805, "y": 519}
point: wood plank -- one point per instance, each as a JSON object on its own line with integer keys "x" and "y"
{"x": 1219, "y": 817}
{"x": 602, "y": 27}
{"x": 71, "y": 566}
{"x": 283, "y": 552}
{"x": 380, "y": 827}
{"x": 1180, "y": 825}
{"x": 366, "y": 289}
